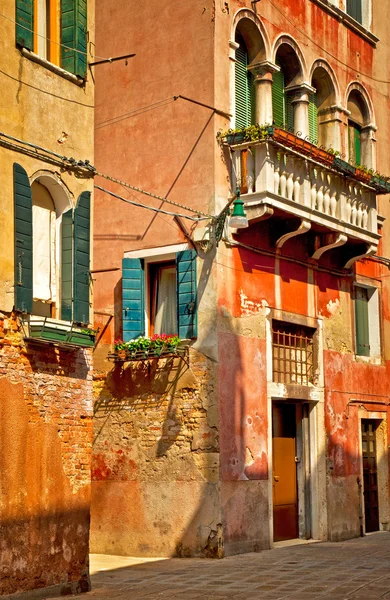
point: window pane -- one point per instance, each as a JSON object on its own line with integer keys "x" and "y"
{"x": 166, "y": 311}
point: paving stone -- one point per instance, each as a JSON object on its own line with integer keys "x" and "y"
{"x": 357, "y": 569}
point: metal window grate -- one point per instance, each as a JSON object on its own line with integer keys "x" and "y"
{"x": 292, "y": 353}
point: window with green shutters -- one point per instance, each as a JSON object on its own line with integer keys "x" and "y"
{"x": 313, "y": 119}
{"x": 354, "y": 9}
{"x": 71, "y": 22}
{"x": 362, "y": 322}
{"x": 23, "y": 240}
{"x": 138, "y": 273}
{"x": 74, "y": 275}
{"x": 244, "y": 87}
{"x": 354, "y": 143}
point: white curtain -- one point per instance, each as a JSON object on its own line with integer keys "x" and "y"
{"x": 166, "y": 318}
{"x": 44, "y": 263}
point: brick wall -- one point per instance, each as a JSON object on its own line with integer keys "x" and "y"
{"x": 45, "y": 450}
{"x": 155, "y": 464}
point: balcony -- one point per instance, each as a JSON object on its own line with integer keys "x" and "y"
{"x": 305, "y": 194}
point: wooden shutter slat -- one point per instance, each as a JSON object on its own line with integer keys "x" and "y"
{"x": 278, "y": 99}
{"x": 81, "y": 258}
{"x": 74, "y": 35}
{"x": 133, "y": 298}
{"x": 289, "y": 116}
{"x": 25, "y": 23}
{"x": 67, "y": 266}
{"x": 186, "y": 288}
{"x": 23, "y": 240}
{"x": 313, "y": 118}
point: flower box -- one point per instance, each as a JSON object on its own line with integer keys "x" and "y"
{"x": 344, "y": 167}
{"x": 158, "y": 346}
{"x": 235, "y": 138}
{"x": 284, "y": 137}
{"x": 362, "y": 175}
{"x": 65, "y": 333}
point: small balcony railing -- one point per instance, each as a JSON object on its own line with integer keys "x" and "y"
{"x": 326, "y": 193}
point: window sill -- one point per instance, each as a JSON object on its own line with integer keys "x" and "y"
{"x": 371, "y": 360}
{"x": 348, "y": 21}
{"x": 51, "y": 67}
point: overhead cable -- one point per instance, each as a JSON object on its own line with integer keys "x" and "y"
{"x": 157, "y": 210}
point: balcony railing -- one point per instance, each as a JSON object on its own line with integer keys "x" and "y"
{"x": 273, "y": 177}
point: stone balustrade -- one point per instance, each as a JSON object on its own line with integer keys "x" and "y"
{"x": 281, "y": 177}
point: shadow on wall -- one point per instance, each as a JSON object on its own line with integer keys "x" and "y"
{"x": 44, "y": 550}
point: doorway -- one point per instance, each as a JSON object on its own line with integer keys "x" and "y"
{"x": 370, "y": 474}
{"x": 284, "y": 452}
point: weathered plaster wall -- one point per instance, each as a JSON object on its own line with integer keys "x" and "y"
{"x": 39, "y": 107}
{"x": 155, "y": 467}
{"x": 45, "y": 448}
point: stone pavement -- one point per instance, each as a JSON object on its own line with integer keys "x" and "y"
{"x": 358, "y": 568}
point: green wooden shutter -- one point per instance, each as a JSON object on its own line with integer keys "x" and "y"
{"x": 23, "y": 240}
{"x": 133, "y": 302}
{"x": 289, "y": 117}
{"x": 67, "y": 266}
{"x": 186, "y": 293}
{"x": 25, "y": 23}
{"x": 74, "y": 36}
{"x": 244, "y": 87}
{"x": 278, "y": 99}
{"x": 313, "y": 119}
{"x": 361, "y": 322}
{"x": 357, "y": 144}
{"x": 81, "y": 258}
{"x": 354, "y": 9}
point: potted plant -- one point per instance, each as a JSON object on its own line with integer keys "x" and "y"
{"x": 120, "y": 349}
{"x": 284, "y": 137}
{"x": 82, "y": 337}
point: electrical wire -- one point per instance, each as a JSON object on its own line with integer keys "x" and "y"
{"x": 135, "y": 112}
{"x": 49, "y": 40}
{"x": 155, "y": 196}
{"x": 157, "y": 210}
{"x": 86, "y": 166}
{"x": 312, "y": 41}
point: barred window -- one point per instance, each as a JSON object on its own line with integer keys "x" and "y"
{"x": 292, "y": 353}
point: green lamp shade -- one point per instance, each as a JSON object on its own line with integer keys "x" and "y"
{"x": 238, "y": 218}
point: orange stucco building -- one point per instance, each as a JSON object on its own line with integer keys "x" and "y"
{"x": 275, "y": 425}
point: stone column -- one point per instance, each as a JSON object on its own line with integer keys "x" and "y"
{"x": 300, "y": 103}
{"x": 262, "y": 72}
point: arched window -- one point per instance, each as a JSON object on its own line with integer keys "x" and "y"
{"x": 321, "y": 119}
{"x": 244, "y": 87}
{"x": 359, "y": 142}
{"x": 288, "y": 75}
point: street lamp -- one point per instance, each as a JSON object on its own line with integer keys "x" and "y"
{"x": 238, "y": 219}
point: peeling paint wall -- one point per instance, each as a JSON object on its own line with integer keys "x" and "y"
{"x": 155, "y": 467}
{"x": 240, "y": 292}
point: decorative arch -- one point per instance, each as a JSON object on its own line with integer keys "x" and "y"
{"x": 321, "y": 63}
{"x": 361, "y": 126}
{"x": 62, "y": 197}
{"x": 369, "y": 118}
{"x": 285, "y": 39}
{"x": 254, "y": 33}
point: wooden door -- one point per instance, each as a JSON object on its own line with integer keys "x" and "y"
{"x": 285, "y": 500}
{"x": 370, "y": 475}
